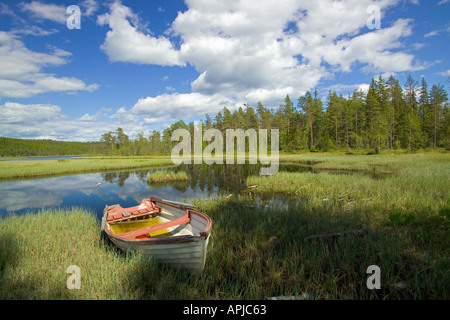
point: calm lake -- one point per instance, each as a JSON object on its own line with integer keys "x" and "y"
{"x": 47, "y": 158}
{"x": 94, "y": 191}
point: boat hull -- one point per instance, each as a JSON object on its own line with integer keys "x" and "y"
{"x": 189, "y": 254}
{"x": 187, "y": 249}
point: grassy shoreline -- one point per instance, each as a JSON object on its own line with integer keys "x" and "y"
{"x": 323, "y": 161}
{"x": 24, "y": 169}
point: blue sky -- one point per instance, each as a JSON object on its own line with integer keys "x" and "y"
{"x": 142, "y": 65}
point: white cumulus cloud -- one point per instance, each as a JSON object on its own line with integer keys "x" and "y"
{"x": 178, "y": 106}
{"x": 47, "y": 121}
{"x": 126, "y": 43}
{"x": 50, "y": 11}
{"x": 246, "y": 51}
{"x": 21, "y": 69}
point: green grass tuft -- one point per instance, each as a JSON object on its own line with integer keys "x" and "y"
{"x": 167, "y": 176}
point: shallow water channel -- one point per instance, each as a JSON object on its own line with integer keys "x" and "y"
{"x": 93, "y": 191}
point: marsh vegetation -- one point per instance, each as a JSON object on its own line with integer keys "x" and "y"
{"x": 167, "y": 176}
{"x": 332, "y": 223}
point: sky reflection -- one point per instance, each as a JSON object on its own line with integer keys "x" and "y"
{"x": 125, "y": 188}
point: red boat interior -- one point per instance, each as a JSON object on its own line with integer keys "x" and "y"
{"x": 147, "y": 207}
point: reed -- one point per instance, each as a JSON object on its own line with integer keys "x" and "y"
{"x": 411, "y": 182}
{"x": 167, "y": 176}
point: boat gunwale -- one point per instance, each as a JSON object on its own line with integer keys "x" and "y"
{"x": 164, "y": 240}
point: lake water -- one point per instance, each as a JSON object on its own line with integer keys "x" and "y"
{"x": 94, "y": 191}
{"x": 47, "y": 158}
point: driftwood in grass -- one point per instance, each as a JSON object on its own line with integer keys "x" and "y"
{"x": 330, "y": 238}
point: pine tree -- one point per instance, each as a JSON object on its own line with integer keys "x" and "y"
{"x": 305, "y": 104}
{"x": 109, "y": 140}
{"x": 218, "y": 121}
{"x": 228, "y": 120}
{"x": 250, "y": 117}
{"x": 334, "y": 116}
{"x": 438, "y": 96}
{"x": 396, "y": 105}
{"x": 208, "y": 122}
{"x": 412, "y": 123}
{"x": 425, "y": 114}
{"x": 446, "y": 126}
{"x": 357, "y": 103}
{"x": 348, "y": 125}
{"x": 288, "y": 115}
{"x": 372, "y": 109}
{"x": 239, "y": 119}
{"x": 382, "y": 122}
{"x": 266, "y": 118}
{"x": 155, "y": 142}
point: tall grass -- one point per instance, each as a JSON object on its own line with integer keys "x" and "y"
{"x": 167, "y": 176}
{"x": 254, "y": 253}
{"x": 412, "y": 203}
{"x": 412, "y": 182}
{"x": 37, "y": 249}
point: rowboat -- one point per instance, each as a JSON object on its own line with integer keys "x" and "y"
{"x": 168, "y": 231}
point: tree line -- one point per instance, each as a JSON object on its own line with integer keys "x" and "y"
{"x": 11, "y": 147}
{"x": 388, "y": 116}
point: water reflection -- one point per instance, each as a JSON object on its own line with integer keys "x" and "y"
{"x": 47, "y": 158}
{"x": 226, "y": 178}
{"x": 126, "y": 188}
{"x": 95, "y": 190}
